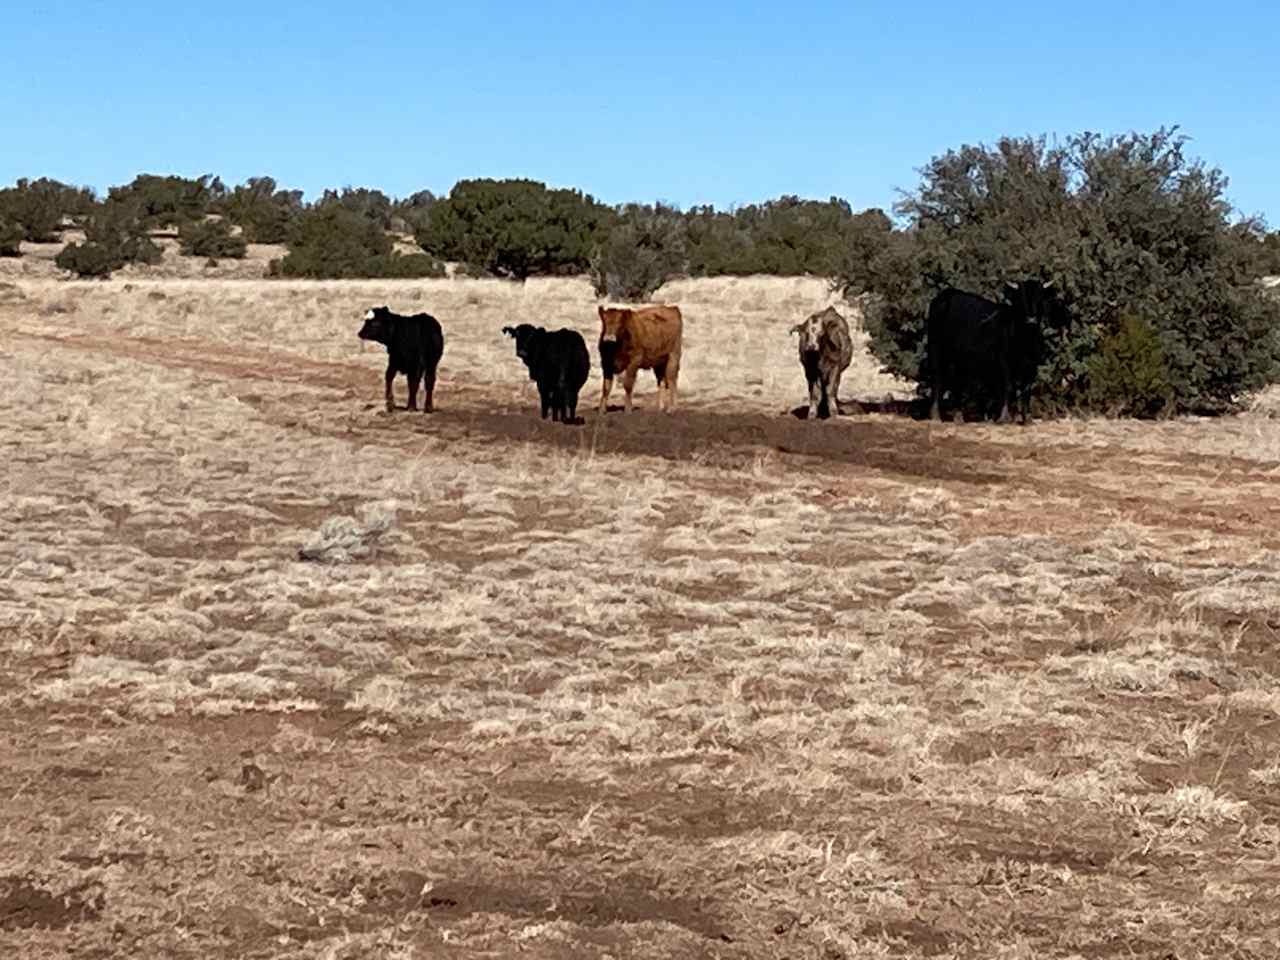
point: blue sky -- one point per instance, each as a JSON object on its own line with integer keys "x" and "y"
{"x": 689, "y": 102}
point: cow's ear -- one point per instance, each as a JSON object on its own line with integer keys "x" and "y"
{"x": 600, "y": 311}
{"x": 507, "y": 331}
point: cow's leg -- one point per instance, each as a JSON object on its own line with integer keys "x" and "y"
{"x": 815, "y": 397}
{"x": 660, "y": 375}
{"x": 1004, "y": 396}
{"x": 544, "y": 399}
{"x": 672, "y": 378}
{"x": 428, "y": 390}
{"x": 834, "y": 398}
{"x": 629, "y": 384}
{"x": 413, "y": 376}
{"x": 604, "y": 394}
{"x": 824, "y": 402}
{"x": 391, "y": 375}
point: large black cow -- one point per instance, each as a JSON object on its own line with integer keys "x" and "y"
{"x": 978, "y": 349}
{"x": 558, "y": 363}
{"x": 414, "y": 347}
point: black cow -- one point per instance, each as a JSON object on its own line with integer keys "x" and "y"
{"x": 977, "y": 348}
{"x": 414, "y": 346}
{"x": 558, "y": 363}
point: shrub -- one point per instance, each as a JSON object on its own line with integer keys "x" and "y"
{"x": 11, "y": 234}
{"x": 1128, "y": 375}
{"x": 513, "y": 228}
{"x": 89, "y": 260}
{"x": 114, "y": 237}
{"x": 211, "y": 238}
{"x": 331, "y": 242}
{"x": 1126, "y": 225}
{"x": 644, "y": 249}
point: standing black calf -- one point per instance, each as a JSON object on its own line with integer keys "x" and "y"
{"x": 558, "y": 363}
{"x": 414, "y": 345}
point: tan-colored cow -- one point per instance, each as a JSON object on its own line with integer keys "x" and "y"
{"x": 647, "y": 338}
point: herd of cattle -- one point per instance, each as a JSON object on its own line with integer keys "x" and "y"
{"x": 977, "y": 351}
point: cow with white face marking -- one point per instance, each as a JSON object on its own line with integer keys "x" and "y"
{"x": 826, "y": 350}
{"x": 414, "y": 347}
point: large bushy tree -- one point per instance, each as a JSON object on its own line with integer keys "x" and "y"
{"x": 1137, "y": 235}
{"x": 514, "y": 228}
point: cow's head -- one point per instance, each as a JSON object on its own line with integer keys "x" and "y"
{"x": 810, "y": 330}
{"x": 613, "y": 321}
{"x": 524, "y": 335}
{"x": 377, "y": 325}
{"x": 1038, "y": 303}
{"x": 613, "y": 332}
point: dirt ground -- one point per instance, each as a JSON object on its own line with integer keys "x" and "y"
{"x": 286, "y": 676}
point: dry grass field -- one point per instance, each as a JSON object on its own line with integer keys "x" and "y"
{"x": 720, "y": 684}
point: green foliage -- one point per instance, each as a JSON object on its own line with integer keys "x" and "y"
{"x": 39, "y": 206}
{"x": 513, "y": 228}
{"x": 261, "y": 210}
{"x": 644, "y": 248}
{"x": 10, "y": 238}
{"x": 410, "y": 266}
{"x": 413, "y": 212}
{"x": 115, "y": 236}
{"x": 211, "y": 238}
{"x": 783, "y": 237}
{"x": 88, "y": 260}
{"x": 1268, "y": 251}
{"x": 161, "y": 201}
{"x": 373, "y": 205}
{"x": 1128, "y": 376}
{"x": 330, "y": 241}
{"x": 1126, "y": 225}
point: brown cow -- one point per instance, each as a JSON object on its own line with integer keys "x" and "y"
{"x": 649, "y": 338}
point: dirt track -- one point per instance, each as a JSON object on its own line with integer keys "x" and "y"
{"x": 721, "y": 684}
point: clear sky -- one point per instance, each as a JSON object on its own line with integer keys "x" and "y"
{"x": 689, "y": 102}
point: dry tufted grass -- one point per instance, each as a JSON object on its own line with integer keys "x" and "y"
{"x": 724, "y": 683}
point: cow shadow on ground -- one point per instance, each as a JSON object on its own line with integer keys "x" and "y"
{"x": 916, "y": 408}
{"x": 739, "y": 440}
